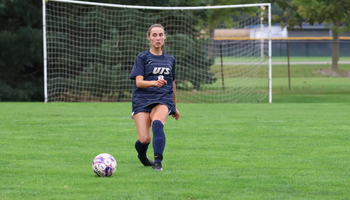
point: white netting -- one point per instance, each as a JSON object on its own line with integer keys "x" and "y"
{"x": 91, "y": 51}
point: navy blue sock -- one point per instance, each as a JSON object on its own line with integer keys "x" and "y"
{"x": 141, "y": 148}
{"x": 158, "y": 140}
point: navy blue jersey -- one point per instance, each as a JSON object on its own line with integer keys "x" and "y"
{"x": 151, "y": 67}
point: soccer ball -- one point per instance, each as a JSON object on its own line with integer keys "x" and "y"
{"x": 104, "y": 165}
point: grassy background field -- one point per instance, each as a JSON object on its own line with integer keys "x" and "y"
{"x": 215, "y": 151}
{"x": 307, "y": 84}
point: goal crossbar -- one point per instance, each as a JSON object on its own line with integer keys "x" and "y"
{"x": 163, "y": 8}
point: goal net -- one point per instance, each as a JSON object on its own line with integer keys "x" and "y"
{"x": 90, "y": 49}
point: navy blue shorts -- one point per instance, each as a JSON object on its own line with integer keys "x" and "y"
{"x": 148, "y": 109}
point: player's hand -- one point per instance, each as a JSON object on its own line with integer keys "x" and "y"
{"x": 160, "y": 82}
{"x": 176, "y": 115}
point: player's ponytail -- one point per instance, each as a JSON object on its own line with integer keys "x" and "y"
{"x": 149, "y": 33}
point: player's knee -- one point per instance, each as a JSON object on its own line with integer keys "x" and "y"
{"x": 159, "y": 120}
{"x": 145, "y": 139}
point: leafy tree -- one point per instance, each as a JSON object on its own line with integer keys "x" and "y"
{"x": 95, "y": 77}
{"x": 335, "y": 13}
{"x": 21, "y": 74}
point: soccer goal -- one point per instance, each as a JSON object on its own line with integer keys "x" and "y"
{"x": 90, "y": 48}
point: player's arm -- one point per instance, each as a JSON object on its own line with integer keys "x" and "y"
{"x": 140, "y": 83}
{"x": 174, "y": 93}
{"x": 177, "y": 113}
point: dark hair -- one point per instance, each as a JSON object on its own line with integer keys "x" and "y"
{"x": 149, "y": 32}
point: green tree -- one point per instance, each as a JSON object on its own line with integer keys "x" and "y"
{"x": 21, "y": 74}
{"x": 335, "y": 13}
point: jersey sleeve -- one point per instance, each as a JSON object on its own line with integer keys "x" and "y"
{"x": 138, "y": 68}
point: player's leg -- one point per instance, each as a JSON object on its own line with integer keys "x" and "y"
{"x": 158, "y": 116}
{"x": 143, "y": 125}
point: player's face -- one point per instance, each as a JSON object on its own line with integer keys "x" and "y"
{"x": 156, "y": 37}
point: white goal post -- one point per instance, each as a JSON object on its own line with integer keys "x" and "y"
{"x": 89, "y": 50}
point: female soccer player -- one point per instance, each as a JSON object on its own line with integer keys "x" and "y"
{"x": 154, "y": 96}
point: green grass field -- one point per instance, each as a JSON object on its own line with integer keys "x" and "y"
{"x": 215, "y": 151}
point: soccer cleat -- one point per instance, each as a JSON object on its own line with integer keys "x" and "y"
{"x": 146, "y": 161}
{"x": 158, "y": 167}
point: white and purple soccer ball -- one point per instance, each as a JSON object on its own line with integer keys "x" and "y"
{"x": 104, "y": 164}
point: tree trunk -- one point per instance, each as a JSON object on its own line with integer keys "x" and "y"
{"x": 335, "y": 48}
